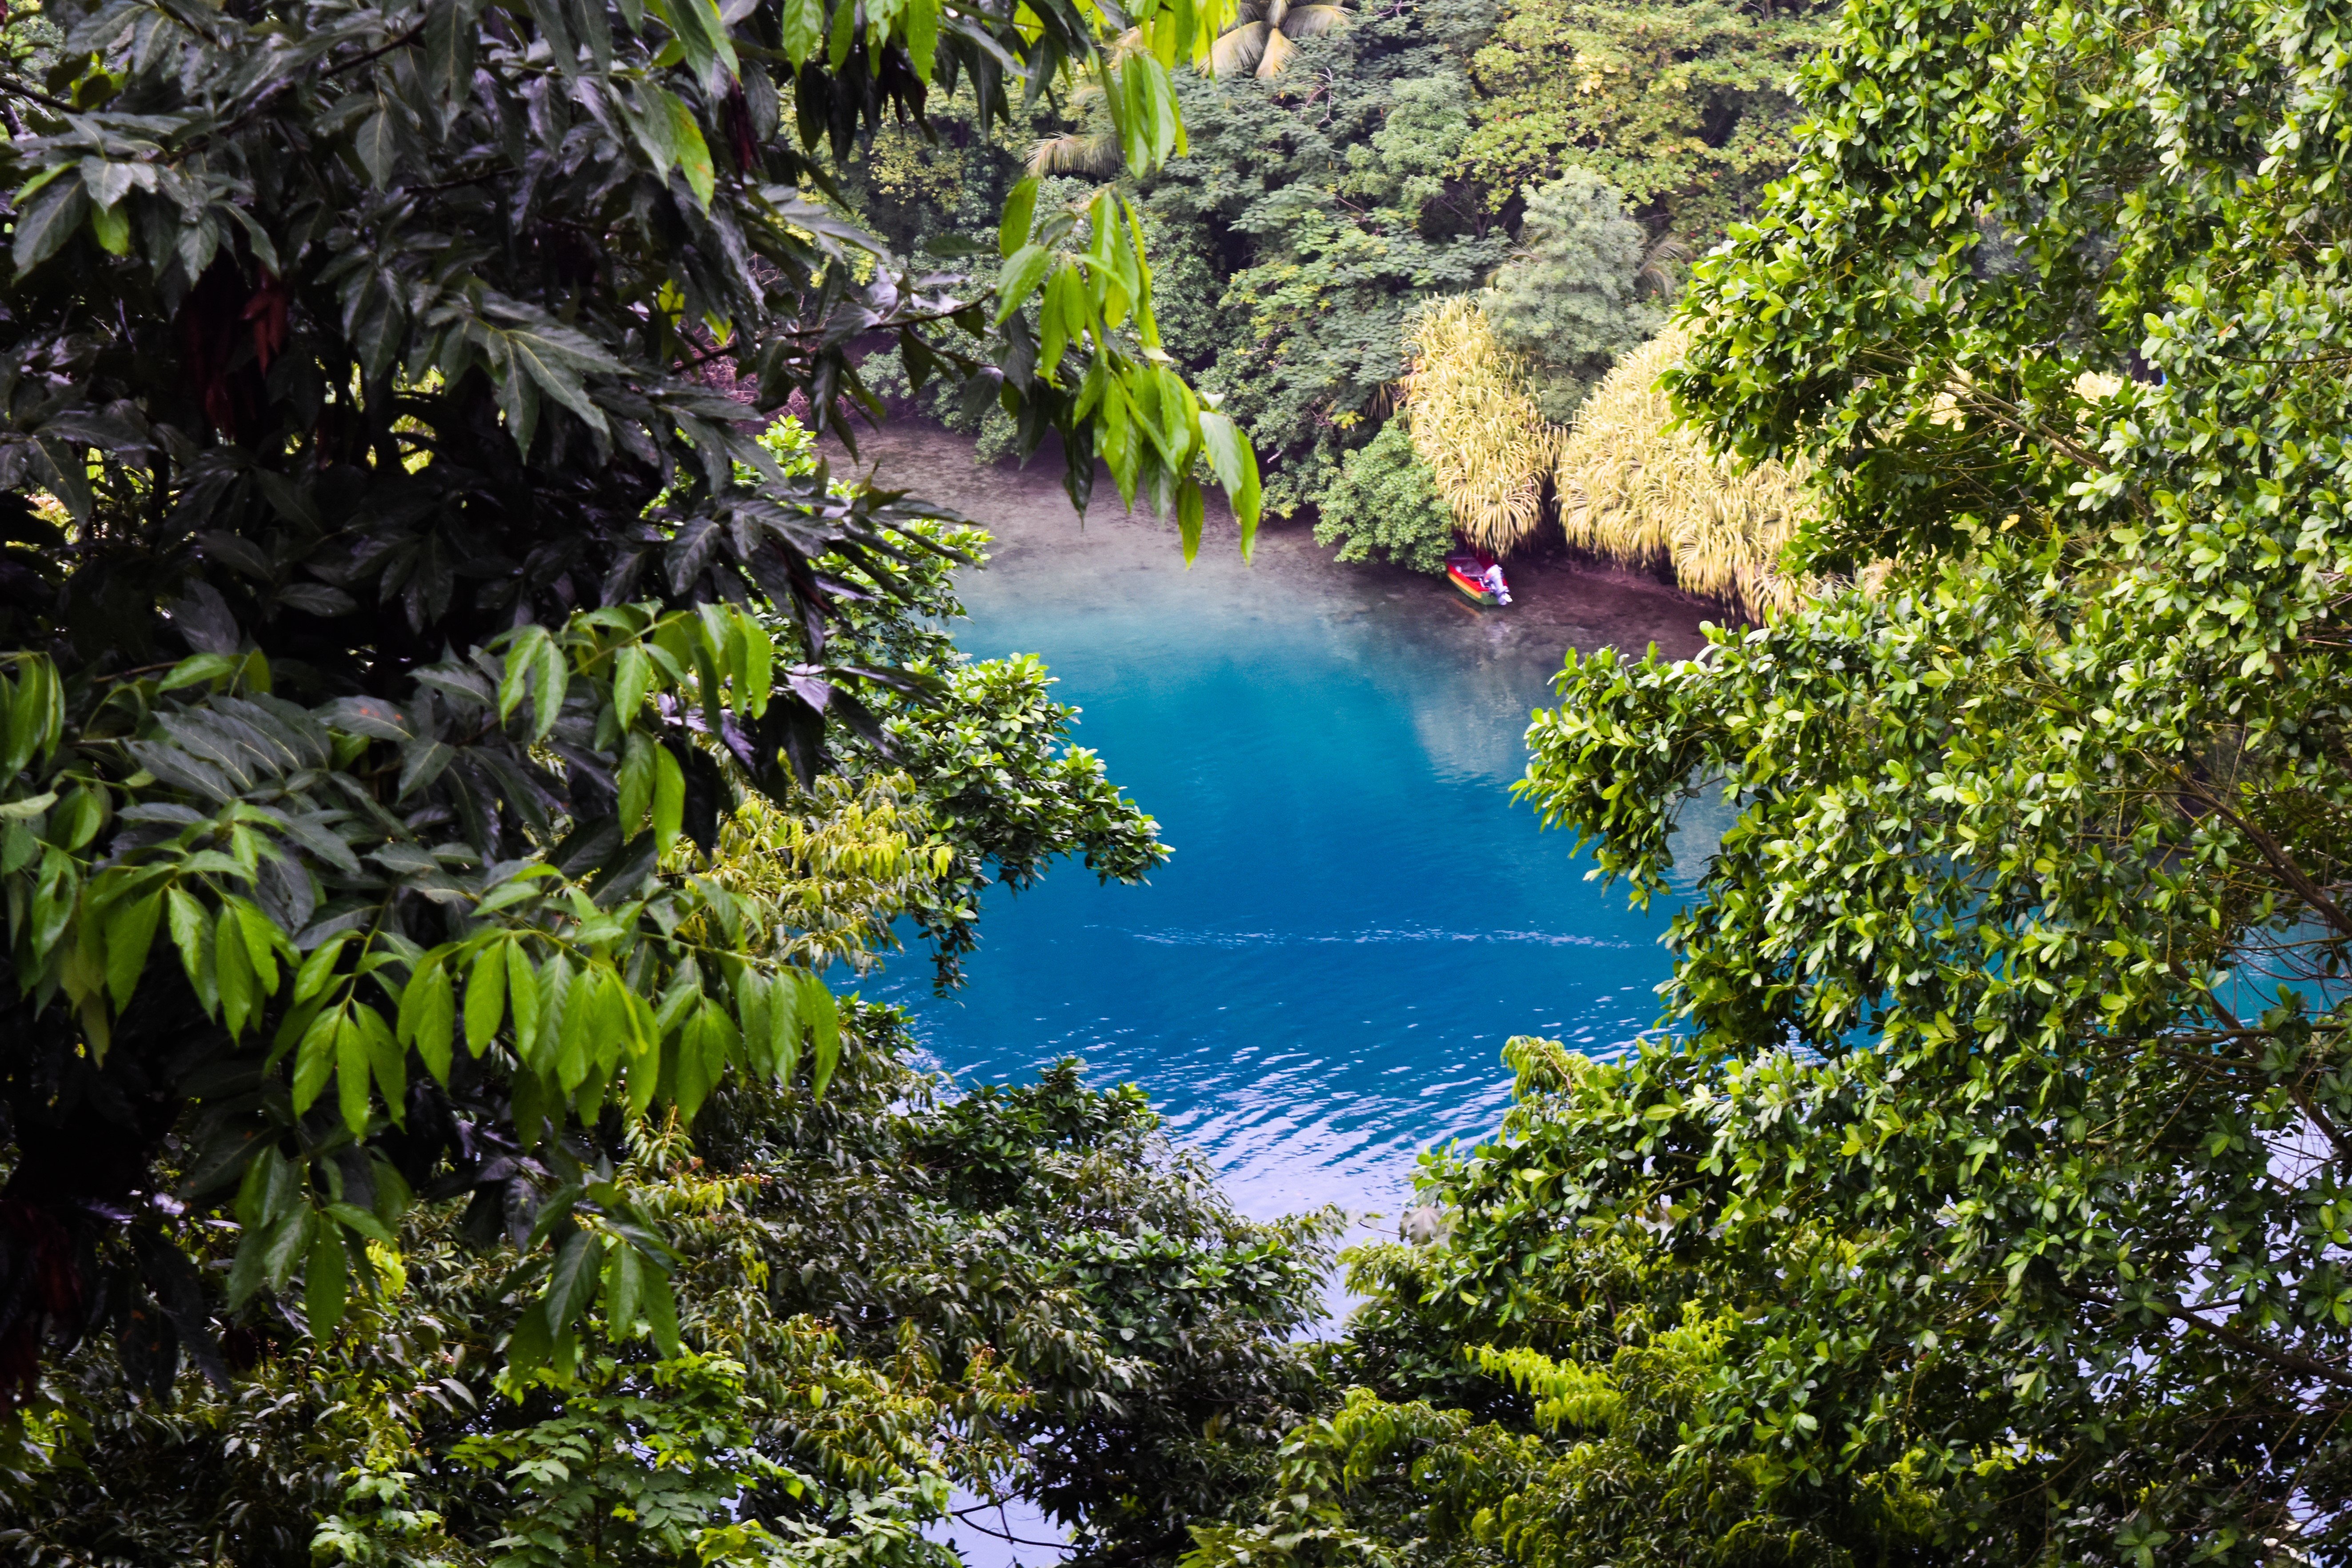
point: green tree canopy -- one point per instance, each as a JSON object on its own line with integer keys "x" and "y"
{"x": 1986, "y": 1201}
{"x": 1683, "y": 106}
{"x": 1580, "y": 290}
{"x": 2040, "y": 847}
{"x": 393, "y": 610}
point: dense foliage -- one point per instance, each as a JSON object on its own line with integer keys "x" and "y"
{"x": 1682, "y": 107}
{"x": 1581, "y": 291}
{"x": 1390, "y": 161}
{"x": 1988, "y": 1205}
{"x": 394, "y": 612}
{"x": 1384, "y": 507}
{"x": 890, "y": 1308}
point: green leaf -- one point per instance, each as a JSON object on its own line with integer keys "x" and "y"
{"x": 351, "y": 1216}
{"x": 845, "y": 35}
{"x": 660, "y": 1311}
{"x": 574, "y": 1027}
{"x": 1020, "y": 212}
{"x": 553, "y": 674}
{"x": 754, "y": 664}
{"x": 351, "y": 1073}
{"x": 528, "y": 1346}
{"x": 318, "y": 968}
{"x": 635, "y": 781}
{"x": 621, "y": 1291}
{"x": 112, "y": 226}
{"x": 51, "y": 222}
{"x": 700, "y": 1050}
{"x": 249, "y": 1267}
{"x": 191, "y": 935}
{"x": 522, "y": 657}
{"x": 324, "y": 1283}
{"x": 485, "y": 994}
{"x": 233, "y": 965}
{"x": 633, "y": 678}
{"x": 1189, "y": 511}
{"x": 428, "y": 1017}
{"x": 36, "y": 713}
{"x": 448, "y": 53}
{"x": 1235, "y": 466}
{"x": 314, "y": 1059}
{"x": 130, "y": 937}
{"x": 378, "y": 145}
{"x": 669, "y": 799}
{"x": 387, "y": 1062}
{"x": 803, "y": 26}
{"x": 691, "y": 153}
{"x": 697, "y": 26}
{"x": 823, "y": 1016}
{"x": 572, "y": 1282}
{"x": 523, "y": 998}
{"x": 260, "y": 943}
{"x": 1024, "y": 271}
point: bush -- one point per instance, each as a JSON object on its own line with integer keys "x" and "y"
{"x": 1385, "y": 505}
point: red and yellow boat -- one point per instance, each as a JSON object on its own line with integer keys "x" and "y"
{"x": 1477, "y": 575}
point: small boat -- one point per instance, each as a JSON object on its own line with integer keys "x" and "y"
{"x": 1476, "y": 575}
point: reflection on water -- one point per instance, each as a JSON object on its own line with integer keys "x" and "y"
{"x": 1320, "y": 984}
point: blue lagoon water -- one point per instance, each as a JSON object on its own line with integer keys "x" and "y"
{"x": 1318, "y": 984}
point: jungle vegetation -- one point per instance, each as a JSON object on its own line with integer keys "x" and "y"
{"x": 1983, "y": 1201}
{"x": 454, "y": 751}
{"x": 1556, "y": 164}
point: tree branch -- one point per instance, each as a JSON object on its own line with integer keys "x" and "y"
{"x": 2276, "y": 854}
{"x": 2288, "y": 1361}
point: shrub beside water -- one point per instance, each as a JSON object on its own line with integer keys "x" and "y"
{"x": 1385, "y": 505}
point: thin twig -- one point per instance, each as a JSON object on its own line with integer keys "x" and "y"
{"x": 2290, "y": 1360}
{"x": 965, "y": 1515}
{"x": 2276, "y": 854}
{"x": 12, "y": 83}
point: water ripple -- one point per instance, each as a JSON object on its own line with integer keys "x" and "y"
{"x": 1241, "y": 939}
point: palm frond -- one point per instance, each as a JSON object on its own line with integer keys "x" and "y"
{"x": 1238, "y": 51}
{"x": 1661, "y": 265}
{"x": 1278, "y": 50}
{"x": 1314, "y": 21}
{"x": 1075, "y": 154}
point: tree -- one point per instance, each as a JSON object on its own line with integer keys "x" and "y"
{"x": 2040, "y": 849}
{"x": 1263, "y": 37}
{"x": 409, "y": 611}
{"x": 2002, "y": 1124}
{"x": 830, "y": 1389}
{"x": 880, "y": 1295}
{"x": 1580, "y": 290}
{"x": 1683, "y": 106}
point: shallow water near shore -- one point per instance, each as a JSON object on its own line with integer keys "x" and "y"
{"x": 1318, "y": 985}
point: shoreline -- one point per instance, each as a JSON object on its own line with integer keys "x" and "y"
{"x": 1555, "y": 601}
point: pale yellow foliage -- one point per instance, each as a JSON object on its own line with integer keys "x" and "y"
{"x": 840, "y": 861}
{"x": 1487, "y": 447}
{"x": 1635, "y": 490}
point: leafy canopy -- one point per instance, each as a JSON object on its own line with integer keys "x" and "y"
{"x": 393, "y": 608}
{"x": 2040, "y": 847}
{"x": 1999, "y": 1159}
{"x": 1579, "y": 292}
{"x": 1384, "y": 505}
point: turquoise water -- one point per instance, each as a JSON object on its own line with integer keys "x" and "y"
{"x": 1357, "y": 916}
